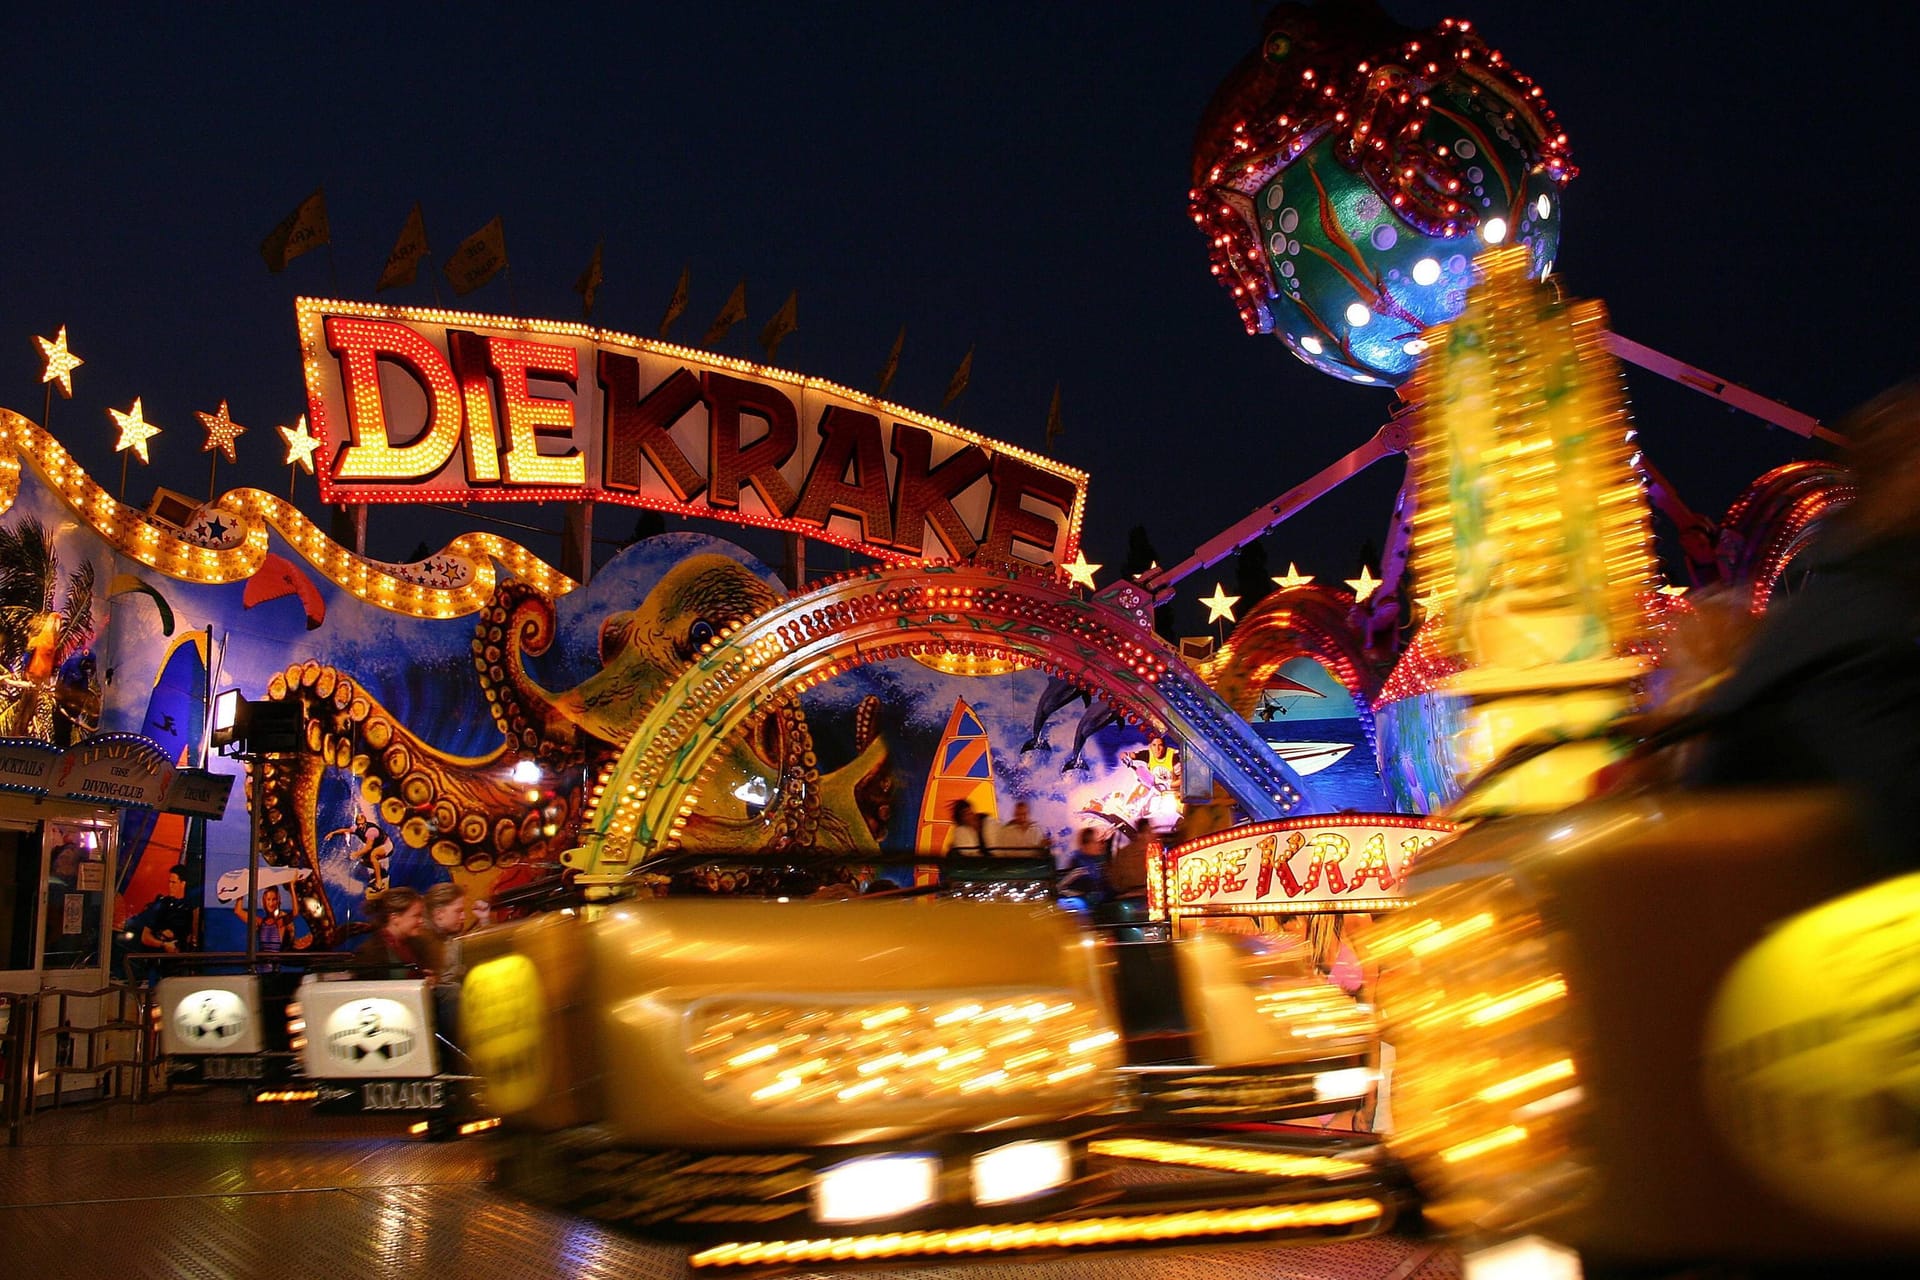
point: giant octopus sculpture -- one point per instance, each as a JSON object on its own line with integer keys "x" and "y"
{"x": 470, "y": 815}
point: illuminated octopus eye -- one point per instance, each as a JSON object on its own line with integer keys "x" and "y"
{"x": 1279, "y": 46}
{"x": 699, "y": 633}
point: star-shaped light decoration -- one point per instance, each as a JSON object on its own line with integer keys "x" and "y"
{"x": 301, "y": 444}
{"x": 1671, "y": 590}
{"x": 1220, "y": 604}
{"x": 60, "y": 362}
{"x": 135, "y": 431}
{"x": 1429, "y": 601}
{"x": 222, "y": 430}
{"x": 1364, "y": 585}
{"x": 1292, "y": 578}
{"x": 1080, "y": 573}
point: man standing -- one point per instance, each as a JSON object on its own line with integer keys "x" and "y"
{"x": 1021, "y": 838}
{"x": 170, "y": 922}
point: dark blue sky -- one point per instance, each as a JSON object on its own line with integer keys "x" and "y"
{"x": 1006, "y": 175}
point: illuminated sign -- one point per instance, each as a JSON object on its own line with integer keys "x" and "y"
{"x": 112, "y": 768}
{"x": 208, "y": 1015}
{"x": 372, "y": 1036}
{"x": 26, "y": 765}
{"x": 367, "y": 1028}
{"x": 416, "y": 404}
{"x": 1336, "y": 862}
{"x": 211, "y": 1019}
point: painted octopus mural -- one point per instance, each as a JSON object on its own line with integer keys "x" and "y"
{"x": 473, "y": 818}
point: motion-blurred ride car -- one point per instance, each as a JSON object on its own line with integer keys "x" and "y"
{"x": 841, "y": 1077}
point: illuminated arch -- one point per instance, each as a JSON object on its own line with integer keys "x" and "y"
{"x": 1300, "y": 622}
{"x": 882, "y": 613}
{"x": 413, "y": 590}
{"x": 1775, "y": 519}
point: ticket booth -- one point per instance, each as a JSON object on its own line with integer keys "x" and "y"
{"x": 57, "y": 864}
{"x": 65, "y": 819}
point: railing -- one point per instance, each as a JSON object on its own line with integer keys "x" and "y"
{"x": 160, "y": 964}
{"x": 47, "y": 1037}
{"x": 1022, "y": 876}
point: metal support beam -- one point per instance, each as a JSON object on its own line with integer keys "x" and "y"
{"x": 1389, "y": 439}
{"x": 1393, "y": 438}
{"x": 1727, "y": 393}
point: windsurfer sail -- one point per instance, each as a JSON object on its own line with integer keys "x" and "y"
{"x": 1281, "y": 693}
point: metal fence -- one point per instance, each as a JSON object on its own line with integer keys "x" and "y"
{"x": 62, "y": 1044}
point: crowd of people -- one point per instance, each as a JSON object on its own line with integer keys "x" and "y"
{"x": 973, "y": 834}
{"x": 1088, "y": 875}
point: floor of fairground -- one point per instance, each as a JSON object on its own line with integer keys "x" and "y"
{"x": 203, "y": 1184}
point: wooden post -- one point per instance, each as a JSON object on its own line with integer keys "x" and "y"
{"x": 350, "y": 527}
{"x": 576, "y": 542}
{"x": 797, "y": 561}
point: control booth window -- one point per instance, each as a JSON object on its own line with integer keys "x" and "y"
{"x": 76, "y": 887}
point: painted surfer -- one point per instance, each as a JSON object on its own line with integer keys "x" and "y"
{"x": 375, "y": 852}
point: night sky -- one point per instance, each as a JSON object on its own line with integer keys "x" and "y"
{"x": 1006, "y": 175}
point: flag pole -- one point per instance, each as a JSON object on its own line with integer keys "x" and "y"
{"x": 46, "y": 412}
{"x": 212, "y": 470}
{"x": 123, "y": 476}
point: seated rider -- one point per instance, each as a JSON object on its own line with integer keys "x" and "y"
{"x": 1084, "y": 878}
{"x": 398, "y": 915}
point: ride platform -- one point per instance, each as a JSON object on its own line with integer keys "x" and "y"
{"x": 204, "y": 1183}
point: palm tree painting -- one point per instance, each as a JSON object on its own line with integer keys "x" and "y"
{"x": 42, "y": 626}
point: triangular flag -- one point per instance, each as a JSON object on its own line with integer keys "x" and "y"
{"x": 961, "y": 376}
{"x": 404, "y": 261}
{"x": 303, "y": 229}
{"x": 784, "y": 322}
{"x": 893, "y": 360}
{"x": 677, "y": 303}
{"x": 731, "y": 314}
{"x": 590, "y": 280}
{"x": 480, "y": 257}
{"x": 1055, "y": 429}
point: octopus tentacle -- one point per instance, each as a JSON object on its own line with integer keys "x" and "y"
{"x": 464, "y": 810}
{"x": 519, "y": 621}
{"x": 467, "y": 813}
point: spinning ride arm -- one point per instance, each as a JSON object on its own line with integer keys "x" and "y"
{"x": 1720, "y": 389}
{"x": 1392, "y": 438}
{"x": 1389, "y": 439}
